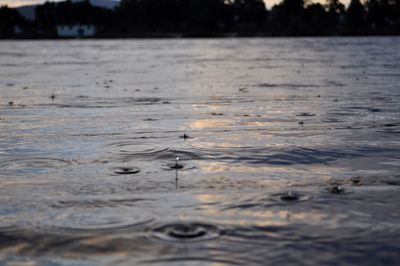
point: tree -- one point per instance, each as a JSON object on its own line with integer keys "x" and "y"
{"x": 9, "y": 19}
{"x": 293, "y": 7}
{"x": 51, "y": 14}
{"x": 249, "y": 11}
{"x": 378, "y": 13}
{"x": 46, "y": 16}
{"x": 355, "y": 15}
{"x": 315, "y": 16}
{"x": 287, "y": 17}
{"x": 336, "y": 12}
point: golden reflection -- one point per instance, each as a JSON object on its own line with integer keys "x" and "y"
{"x": 257, "y": 123}
{"x": 209, "y": 123}
{"x": 210, "y": 198}
{"x": 217, "y": 167}
{"x": 263, "y": 217}
{"x": 280, "y": 216}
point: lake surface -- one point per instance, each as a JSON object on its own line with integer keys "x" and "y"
{"x": 289, "y": 152}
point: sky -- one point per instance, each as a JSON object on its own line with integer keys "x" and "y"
{"x": 15, "y": 3}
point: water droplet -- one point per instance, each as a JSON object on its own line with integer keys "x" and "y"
{"x": 186, "y": 232}
{"x": 216, "y": 114}
{"x": 356, "y": 180}
{"x": 292, "y": 197}
{"x": 176, "y": 165}
{"x": 305, "y": 114}
{"x": 185, "y": 136}
{"x": 337, "y": 190}
{"x": 126, "y": 170}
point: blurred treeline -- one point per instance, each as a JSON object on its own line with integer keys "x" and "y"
{"x": 163, "y": 18}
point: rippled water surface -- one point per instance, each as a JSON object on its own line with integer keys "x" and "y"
{"x": 289, "y": 152}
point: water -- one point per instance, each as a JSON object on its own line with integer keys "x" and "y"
{"x": 289, "y": 152}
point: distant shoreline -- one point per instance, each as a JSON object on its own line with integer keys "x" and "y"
{"x": 194, "y": 36}
{"x": 142, "y": 19}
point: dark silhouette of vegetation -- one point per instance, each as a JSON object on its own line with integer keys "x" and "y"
{"x": 356, "y": 15}
{"x": 10, "y": 21}
{"x": 190, "y": 15}
{"x": 335, "y": 14}
{"x": 382, "y": 14}
{"x": 158, "y": 18}
{"x": 49, "y": 15}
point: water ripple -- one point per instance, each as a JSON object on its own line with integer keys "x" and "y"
{"x": 91, "y": 220}
{"x": 32, "y": 165}
{"x": 273, "y": 156}
{"x": 187, "y": 232}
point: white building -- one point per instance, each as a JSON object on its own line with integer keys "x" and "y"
{"x": 76, "y": 30}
